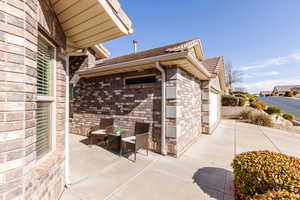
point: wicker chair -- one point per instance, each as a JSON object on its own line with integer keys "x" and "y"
{"x": 140, "y": 140}
{"x": 101, "y": 131}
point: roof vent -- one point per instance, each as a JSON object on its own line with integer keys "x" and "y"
{"x": 134, "y": 42}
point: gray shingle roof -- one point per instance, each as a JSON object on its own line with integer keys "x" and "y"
{"x": 284, "y": 88}
{"x": 177, "y": 47}
{"x": 213, "y": 64}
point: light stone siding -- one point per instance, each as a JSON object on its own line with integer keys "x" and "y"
{"x": 188, "y": 121}
{"x": 21, "y": 175}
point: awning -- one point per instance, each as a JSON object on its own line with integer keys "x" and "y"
{"x": 90, "y": 22}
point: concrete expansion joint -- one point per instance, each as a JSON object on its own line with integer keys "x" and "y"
{"x": 266, "y": 136}
{"x": 109, "y": 196}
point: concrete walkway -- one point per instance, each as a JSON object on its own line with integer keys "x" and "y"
{"x": 203, "y": 172}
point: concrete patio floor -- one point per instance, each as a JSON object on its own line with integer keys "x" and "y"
{"x": 203, "y": 172}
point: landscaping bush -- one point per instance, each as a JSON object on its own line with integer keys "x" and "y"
{"x": 277, "y": 195}
{"x": 228, "y": 100}
{"x": 249, "y": 96}
{"x": 242, "y": 101}
{"x": 258, "y": 105}
{"x": 261, "y": 120}
{"x": 288, "y": 94}
{"x": 239, "y": 95}
{"x": 295, "y": 93}
{"x": 258, "y": 172}
{"x": 246, "y": 114}
{"x": 273, "y": 110}
{"x": 289, "y": 116}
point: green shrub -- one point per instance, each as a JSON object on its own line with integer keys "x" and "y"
{"x": 258, "y": 105}
{"x": 239, "y": 95}
{"x": 246, "y": 114}
{"x": 228, "y": 100}
{"x": 289, "y": 116}
{"x": 261, "y": 120}
{"x": 251, "y": 100}
{"x": 258, "y": 172}
{"x": 267, "y": 95}
{"x": 249, "y": 96}
{"x": 273, "y": 110}
{"x": 288, "y": 94}
{"x": 277, "y": 195}
{"x": 295, "y": 93}
{"x": 242, "y": 101}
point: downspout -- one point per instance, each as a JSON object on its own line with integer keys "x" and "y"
{"x": 67, "y": 104}
{"x": 67, "y": 150}
{"x": 163, "y": 108}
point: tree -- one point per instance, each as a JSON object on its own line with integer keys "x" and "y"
{"x": 232, "y": 75}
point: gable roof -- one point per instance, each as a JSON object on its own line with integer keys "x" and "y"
{"x": 265, "y": 92}
{"x": 163, "y": 50}
{"x": 213, "y": 65}
{"x": 284, "y": 88}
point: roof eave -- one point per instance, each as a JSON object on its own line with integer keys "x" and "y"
{"x": 94, "y": 72}
{"x": 90, "y": 22}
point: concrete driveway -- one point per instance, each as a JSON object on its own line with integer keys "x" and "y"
{"x": 203, "y": 172}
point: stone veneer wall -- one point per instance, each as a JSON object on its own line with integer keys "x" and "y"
{"x": 21, "y": 175}
{"x": 205, "y": 85}
{"x": 188, "y": 109}
{"x": 107, "y": 96}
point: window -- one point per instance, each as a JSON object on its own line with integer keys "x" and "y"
{"x": 71, "y": 100}
{"x": 45, "y": 116}
{"x": 140, "y": 80}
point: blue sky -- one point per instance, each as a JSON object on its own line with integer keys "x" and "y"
{"x": 260, "y": 37}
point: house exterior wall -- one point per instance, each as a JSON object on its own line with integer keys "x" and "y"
{"x": 189, "y": 101}
{"x": 107, "y": 96}
{"x": 22, "y": 176}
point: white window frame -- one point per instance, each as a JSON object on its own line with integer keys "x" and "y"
{"x": 52, "y": 100}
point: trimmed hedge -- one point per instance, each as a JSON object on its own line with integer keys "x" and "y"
{"x": 242, "y": 101}
{"x": 228, "y": 100}
{"x": 258, "y": 105}
{"x": 288, "y": 116}
{"x": 277, "y": 195}
{"x": 273, "y": 110}
{"x": 258, "y": 172}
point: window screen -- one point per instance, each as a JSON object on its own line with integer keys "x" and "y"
{"x": 44, "y": 89}
{"x": 44, "y": 63}
{"x": 43, "y": 128}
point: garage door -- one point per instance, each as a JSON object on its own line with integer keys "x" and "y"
{"x": 213, "y": 108}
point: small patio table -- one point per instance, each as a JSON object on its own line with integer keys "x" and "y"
{"x": 114, "y": 142}
{"x": 97, "y": 134}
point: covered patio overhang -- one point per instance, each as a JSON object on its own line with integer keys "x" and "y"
{"x": 88, "y": 23}
{"x": 183, "y": 60}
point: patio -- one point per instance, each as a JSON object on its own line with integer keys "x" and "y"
{"x": 203, "y": 172}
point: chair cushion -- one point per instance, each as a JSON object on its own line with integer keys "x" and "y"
{"x": 99, "y": 132}
{"x": 130, "y": 139}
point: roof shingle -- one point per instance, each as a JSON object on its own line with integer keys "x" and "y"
{"x": 177, "y": 47}
{"x": 213, "y": 64}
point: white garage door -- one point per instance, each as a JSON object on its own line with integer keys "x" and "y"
{"x": 213, "y": 108}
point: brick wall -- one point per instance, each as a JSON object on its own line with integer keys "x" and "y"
{"x": 107, "y": 96}
{"x": 21, "y": 176}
